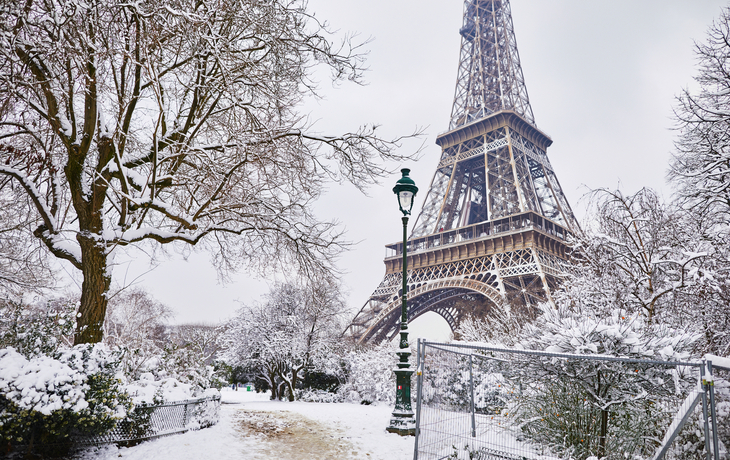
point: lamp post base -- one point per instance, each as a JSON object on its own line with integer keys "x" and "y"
{"x": 402, "y": 423}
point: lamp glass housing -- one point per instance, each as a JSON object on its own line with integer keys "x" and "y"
{"x": 405, "y": 201}
{"x": 405, "y": 189}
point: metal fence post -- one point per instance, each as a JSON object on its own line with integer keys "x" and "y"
{"x": 713, "y": 414}
{"x": 471, "y": 385}
{"x": 705, "y": 415}
{"x": 420, "y": 365}
{"x": 185, "y": 415}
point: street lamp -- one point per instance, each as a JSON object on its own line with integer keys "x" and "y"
{"x": 402, "y": 421}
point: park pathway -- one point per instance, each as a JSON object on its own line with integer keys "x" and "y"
{"x": 253, "y": 428}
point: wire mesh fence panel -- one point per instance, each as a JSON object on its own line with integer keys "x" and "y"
{"x": 491, "y": 403}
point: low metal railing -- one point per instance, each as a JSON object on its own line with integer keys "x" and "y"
{"x": 151, "y": 421}
{"x": 484, "y": 230}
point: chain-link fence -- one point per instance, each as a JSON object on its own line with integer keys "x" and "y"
{"x": 482, "y": 403}
{"x": 151, "y": 421}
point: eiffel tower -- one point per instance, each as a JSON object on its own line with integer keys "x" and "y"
{"x": 493, "y": 228}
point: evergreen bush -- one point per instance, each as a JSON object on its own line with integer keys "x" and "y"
{"x": 47, "y": 401}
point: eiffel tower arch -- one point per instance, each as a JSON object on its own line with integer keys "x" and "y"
{"x": 495, "y": 222}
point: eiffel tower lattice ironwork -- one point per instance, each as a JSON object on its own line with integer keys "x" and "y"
{"x": 494, "y": 224}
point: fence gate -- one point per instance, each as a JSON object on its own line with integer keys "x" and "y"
{"x": 484, "y": 403}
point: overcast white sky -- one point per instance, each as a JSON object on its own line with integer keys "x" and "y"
{"x": 601, "y": 75}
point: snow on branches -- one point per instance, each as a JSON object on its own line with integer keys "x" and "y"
{"x": 639, "y": 254}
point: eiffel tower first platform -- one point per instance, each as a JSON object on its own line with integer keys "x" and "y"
{"x": 493, "y": 228}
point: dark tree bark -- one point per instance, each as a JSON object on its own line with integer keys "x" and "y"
{"x": 94, "y": 290}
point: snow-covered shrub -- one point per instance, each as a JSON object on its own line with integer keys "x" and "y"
{"x": 318, "y": 396}
{"x": 45, "y": 400}
{"x": 328, "y": 380}
{"x": 34, "y": 330}
{"x": 323, "y": 385}
{"x": 222, "y": 375}
{"x": 149, "y": 390}
{"x": 370, "y": 376}
{"x": 206, "y": 413}
{"x": 146, "y": 393}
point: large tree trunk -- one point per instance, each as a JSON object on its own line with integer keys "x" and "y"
{"x": 94, "y": 291}
{"x": 292, "y": 384}
{"x": 604, "y": 432}
{"x": 271, "y": 376}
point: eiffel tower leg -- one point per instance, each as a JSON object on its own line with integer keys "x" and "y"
{"x": 402, "y": 421}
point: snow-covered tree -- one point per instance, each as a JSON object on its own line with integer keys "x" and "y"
{"x": 500, "y": 325}
{"x": 644, "y": 256}
{"x": 202, "y": 339}
{"x": 370, "y": 374}
{"x": 703, "y": 304}
{"x": 190, "y": 354}
{"x": 638, "y": 254}
{"x": 135, "y": 323}
{"x": 700, "y": 173}
{"x": 293, "y": 330}
{"x": 700, "y": 169}
{"x": 174, "y": 121}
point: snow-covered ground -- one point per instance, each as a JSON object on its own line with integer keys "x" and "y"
{"x": 252, "y": 427}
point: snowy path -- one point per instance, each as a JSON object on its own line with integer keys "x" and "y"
{"x": 252, "y": 427}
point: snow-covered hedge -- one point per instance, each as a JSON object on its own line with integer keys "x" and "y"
{"x": 45, "y": 400}
{"x": 318, "y": 396}
{"x": 148, "y": 390}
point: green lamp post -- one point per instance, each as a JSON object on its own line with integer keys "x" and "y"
{"x": 402, "y": 422}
